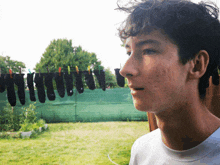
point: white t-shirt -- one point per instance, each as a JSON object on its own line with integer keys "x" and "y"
{"x": 150, "y": 150}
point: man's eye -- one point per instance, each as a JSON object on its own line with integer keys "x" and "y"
{"x": 149, "y": 51}
{"x": 128, "y": 53}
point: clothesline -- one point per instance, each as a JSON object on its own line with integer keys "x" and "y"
{"x": 7, "y": 81}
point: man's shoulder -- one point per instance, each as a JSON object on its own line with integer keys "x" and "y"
{"x": 145, "y": 146}
{"x": 150, "y": 135}
{"x": 148, "y": 139}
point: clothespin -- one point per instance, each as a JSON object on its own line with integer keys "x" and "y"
{"x": 59, "y": 71}
{"x": 0, "y": 72}
{"x": 68, "y": 69}
{"x": 77, "y": 69}
{"x": 89, "y": 69}
{"x": 10, "y": 72}
{"x": 29, "y": 71}
{"x": 39, "y": 72}
{"x": 20, "y": 71}
{"x": 99, "y": 69}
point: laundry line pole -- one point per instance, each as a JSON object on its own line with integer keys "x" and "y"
{"x": 75, "y": 104}
{"x": 74, "y": 51}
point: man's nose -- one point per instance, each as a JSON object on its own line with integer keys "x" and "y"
{"x": 130, "y": 69}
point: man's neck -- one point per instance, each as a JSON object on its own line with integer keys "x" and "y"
{"x": 186, "y": 127}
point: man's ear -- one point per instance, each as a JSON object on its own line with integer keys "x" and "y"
{"x": 198, "y": 65}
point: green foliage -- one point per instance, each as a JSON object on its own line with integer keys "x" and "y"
{"x": 29, "y": 119}
{"x": 10, "y": 119}
{"x": 40, "y": 123}
{"x": 126, "y": 83}
{"x": 15, "y": 119}
{"x": 22, "y": 120}
{"x": 8, "y": 135}
{"x": 61, "y": 53}
{"x": 26, "y": 127}
{"x": 29, "y": 114}
{"x": 6, "y": 63}
{"x": 35, "y": 127}
{"x": 110, "y": 79}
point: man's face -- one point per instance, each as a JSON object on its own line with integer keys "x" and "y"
{"x": 155, "y": 75}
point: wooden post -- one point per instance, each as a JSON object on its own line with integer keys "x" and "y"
{"x": 152, "y": 121}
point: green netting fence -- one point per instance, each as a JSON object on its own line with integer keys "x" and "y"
{"x": 90, "y": 106}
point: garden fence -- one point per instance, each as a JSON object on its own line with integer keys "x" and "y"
{"x": 89, "y": 106}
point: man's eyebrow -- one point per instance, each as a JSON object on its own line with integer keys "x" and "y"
{"x": 141, "y": 43}
{"x": 150, "y": 41}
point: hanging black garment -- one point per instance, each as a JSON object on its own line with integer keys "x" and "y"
{"x": 69, "y": 83}
{"x": 19, "y": 81}
{"x": 60, "y": 84}
{"x": 101, "y": 78}
{"x": 31, "y": 86}
{"x": 89, "y": 80}
{"x": 9, "y": 82}
{"x": 215, "y": 77}
{"x": 79, "y": 84}
{"x": 49, "y": 84}
{"x": 40, "y": 87}
{"x": 120, "y": 79}
{"x": 2, "y": 83}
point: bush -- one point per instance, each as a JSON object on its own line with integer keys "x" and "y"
{"x": 35, "y": 127}
{"x": 22, "y": 120}
{"x": 26, "y": 127}
{"x": 10, "y": 119}
{"x": 29, "y": 114}
{"x": 40, "y": 123}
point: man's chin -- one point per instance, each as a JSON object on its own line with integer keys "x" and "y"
{"x": 140, "y": 107}
{"x": 145, "y": 108}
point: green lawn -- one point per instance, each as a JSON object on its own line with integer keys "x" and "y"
{"x": 75, "y": 144}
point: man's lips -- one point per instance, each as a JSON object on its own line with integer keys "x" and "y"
{"x": 137, "y": 91}
{"x": 136, "y": 88}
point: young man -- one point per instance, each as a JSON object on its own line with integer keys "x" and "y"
{"x": 173, "y": 49}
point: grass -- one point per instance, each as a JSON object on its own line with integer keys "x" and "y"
{"x": 75, "y": 144}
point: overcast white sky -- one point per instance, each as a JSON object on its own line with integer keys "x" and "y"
{"x": 27, "y": 28}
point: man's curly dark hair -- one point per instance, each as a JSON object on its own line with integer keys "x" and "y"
{"x": 192, "y": 27}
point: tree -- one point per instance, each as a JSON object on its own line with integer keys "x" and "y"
{"x": 61, "y": 53}
{"x": 6, "y": 63}
{"x": 110, "y": 79}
